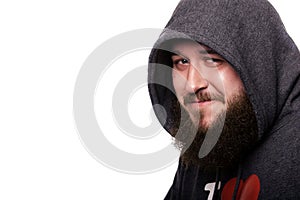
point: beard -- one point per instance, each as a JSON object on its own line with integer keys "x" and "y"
{"x": 234, "y": 136}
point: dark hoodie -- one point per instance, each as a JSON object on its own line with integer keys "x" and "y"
{"x": 249, "y": 34}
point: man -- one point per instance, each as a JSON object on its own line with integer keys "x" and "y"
{"x": 228, "y": 77}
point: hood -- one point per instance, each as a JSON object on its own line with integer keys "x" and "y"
{"x": 250, "y": 35}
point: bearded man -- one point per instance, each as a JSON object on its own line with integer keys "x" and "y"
{"x": 227, "y": 74}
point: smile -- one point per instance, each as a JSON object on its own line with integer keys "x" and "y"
{"x": 199, "y": 103}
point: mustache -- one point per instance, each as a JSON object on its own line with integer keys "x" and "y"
{"x": 202, "y": 96}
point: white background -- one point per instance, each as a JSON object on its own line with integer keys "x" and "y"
{"x": 42, "y": 47}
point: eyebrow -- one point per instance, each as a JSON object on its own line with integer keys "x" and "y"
{"x": 208, "y": 51}
{"x": 204, "y": 52}
{"x": 176, "y": 53}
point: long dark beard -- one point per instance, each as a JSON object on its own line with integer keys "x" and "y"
{"x": 238, "y": 136}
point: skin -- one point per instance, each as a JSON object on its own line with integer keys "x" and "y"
{"x": 199, "y": 72}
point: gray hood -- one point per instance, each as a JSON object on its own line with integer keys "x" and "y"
{"x": 249, "y": 34}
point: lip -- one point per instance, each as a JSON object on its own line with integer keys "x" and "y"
{"x": 200, "y": 103}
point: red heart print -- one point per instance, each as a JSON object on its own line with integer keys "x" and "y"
{"x": 248, "y": 190}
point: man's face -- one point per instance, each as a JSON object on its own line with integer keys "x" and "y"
{"x": 204, "y": 82}
{"x": 215, "y": 101}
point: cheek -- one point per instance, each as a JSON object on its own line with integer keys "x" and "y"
{"x": 217, "y": 81}
{"x": 178, "y": 83}
{"x": 232, "y": 83}
{"x": 179, "y": 86}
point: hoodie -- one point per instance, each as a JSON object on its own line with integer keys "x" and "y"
{"x": 250, "y": 35}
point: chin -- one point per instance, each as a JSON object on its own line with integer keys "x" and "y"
{"x": 206, "y": 121}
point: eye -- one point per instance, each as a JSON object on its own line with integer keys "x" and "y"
{"x": 212, "y": 62}
{"x": 180, "y": 63}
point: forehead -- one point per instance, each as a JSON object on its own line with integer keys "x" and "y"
{"x": 183, "y": 45}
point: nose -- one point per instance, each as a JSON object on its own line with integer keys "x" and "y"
{"x": 195, "y": 81}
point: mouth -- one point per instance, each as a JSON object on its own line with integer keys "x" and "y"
{"x": 200, "y": 103}
{"x": 202, "y": 99}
